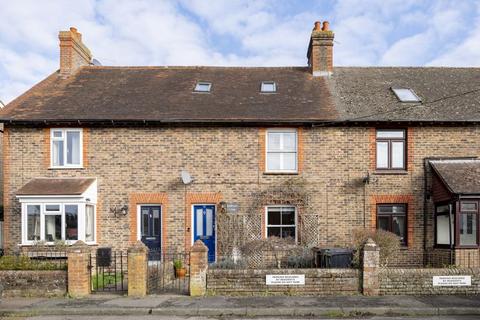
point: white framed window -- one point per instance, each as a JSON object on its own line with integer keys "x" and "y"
{"x": 281, "y": 150}
{"x": 51, "y": 222}
{"x": 66, "y": 148}
{"x": 391, "y": 149}
{"x": 281, "y": 221}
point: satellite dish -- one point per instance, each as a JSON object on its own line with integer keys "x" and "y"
{"x": 95, "y": 62}
{"x": 186, "y": 177}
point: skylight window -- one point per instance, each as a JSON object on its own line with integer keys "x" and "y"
{"x": 203, "y": 87}
{"x": 268, "y": 87}
{"x": 406, "y": 95}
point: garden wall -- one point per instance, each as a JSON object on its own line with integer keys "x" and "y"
{"x": 33, "y": 283}
{"x": 252, "y": 282}
{"x": 397, "y": 281}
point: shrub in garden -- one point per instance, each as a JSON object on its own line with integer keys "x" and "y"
{"x": 388, "y": 242}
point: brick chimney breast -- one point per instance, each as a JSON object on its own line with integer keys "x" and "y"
{"x": 73, "y": 53}
{"x": 320, "y": 50}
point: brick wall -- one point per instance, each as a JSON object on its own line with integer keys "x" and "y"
{"x": 396, "y": 281}
{"x": 252, "y": 282}
{"x": 225, "y": 161}
{"x": 15, "y": 283}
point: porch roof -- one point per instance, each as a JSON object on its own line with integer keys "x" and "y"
{"x": 459, "y": 176}
{"x": 55, "y": 186}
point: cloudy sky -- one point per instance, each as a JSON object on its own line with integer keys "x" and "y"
{"x": 234, "y": 33}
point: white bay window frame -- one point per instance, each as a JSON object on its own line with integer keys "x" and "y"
{"x": 87, "y": 198}
{"x": 63, "y": 138}
{"x": 281, "y": 151}
{"x": 62, "y": 202}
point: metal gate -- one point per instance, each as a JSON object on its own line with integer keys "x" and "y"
{"x": 108, "y": 271}
{"x": 168, "y": 273}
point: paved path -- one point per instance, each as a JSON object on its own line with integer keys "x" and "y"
{"x": 164, "y": 305}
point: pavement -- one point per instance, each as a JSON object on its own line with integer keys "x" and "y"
{"x": 286, "y": 306}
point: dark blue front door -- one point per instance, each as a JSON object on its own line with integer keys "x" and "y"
{"x": 204, "y": 227}
{"x": 150, "y": 227}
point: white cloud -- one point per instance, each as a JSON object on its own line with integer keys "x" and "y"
{"x": 235, "y": 32}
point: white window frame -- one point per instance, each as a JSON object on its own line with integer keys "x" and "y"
{"x": 80, "y": 226}
{"x": 274, "y": 225}
{"x": 284, "y": 130}
{"x": 65, "y": 148}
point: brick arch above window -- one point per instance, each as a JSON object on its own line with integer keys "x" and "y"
{"x": 395, "y": 199}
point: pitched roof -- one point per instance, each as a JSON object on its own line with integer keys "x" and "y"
{"x": 55, "y": 186}
{"x": 459, "y": 176}
{"x": 364, "y": 94}
{"x": 165, "y": 94}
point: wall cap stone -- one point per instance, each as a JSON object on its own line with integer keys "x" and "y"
{"x": 199, "y": 246}
{"x": 370, "y": 245}
{"x": 138, "y": 247}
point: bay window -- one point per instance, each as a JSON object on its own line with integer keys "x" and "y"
{"x": 66, "y": 148}
{"x": 467, "y": 226}
{"x": 51, "y": 222}
{"x": 444, "y": 225}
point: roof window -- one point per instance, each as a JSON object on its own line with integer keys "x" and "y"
{"x": 406, "y": 95}
{"x": 268, "y": 87}
{"x": 203, "y": 87}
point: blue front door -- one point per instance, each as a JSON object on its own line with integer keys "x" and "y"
{"x": 204, "y": 227}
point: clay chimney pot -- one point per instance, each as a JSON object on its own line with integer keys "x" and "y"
{"x": 317, "y": 26}
{"x": 325, "y": 26}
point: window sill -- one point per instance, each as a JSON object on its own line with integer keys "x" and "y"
{"x": 466, "y": 247}
{"x": 67, "y": 168}
{"x": 390, "y": 172}
{"x": 53, "y": 244}
{"x": 279, "y": 173}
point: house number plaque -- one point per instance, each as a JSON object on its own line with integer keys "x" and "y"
{"x": 285, "y": 279}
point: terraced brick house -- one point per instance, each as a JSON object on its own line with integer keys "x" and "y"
{"x": 168, "y": 155}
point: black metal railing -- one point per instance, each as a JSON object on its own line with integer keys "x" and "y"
{"x": 168, "y": 272}
{"x": 108, "y": 271}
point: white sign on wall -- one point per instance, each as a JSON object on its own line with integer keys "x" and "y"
{"x": 452, "y": 281}
{"x": 285, "y": 279}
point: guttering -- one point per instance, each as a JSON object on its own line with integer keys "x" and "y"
{"x": 221, "y": 122}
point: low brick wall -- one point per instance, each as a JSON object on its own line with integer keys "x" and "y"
{"x": 252, "y": 282}
{"x": 396, "y": 281}
{"x": 15, "y": 283}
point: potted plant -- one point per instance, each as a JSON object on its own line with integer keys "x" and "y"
{"x": 180, "y": 270}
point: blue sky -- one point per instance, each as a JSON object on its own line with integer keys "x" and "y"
{"x": 234, "y": 32}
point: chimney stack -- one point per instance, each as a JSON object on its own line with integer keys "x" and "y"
{"x": 320, "y": 50}
{"x": 73, "y": 53}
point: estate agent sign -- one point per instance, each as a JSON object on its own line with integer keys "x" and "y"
{"x": 452, "y": 281}
{"x": 285, "y": 279}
